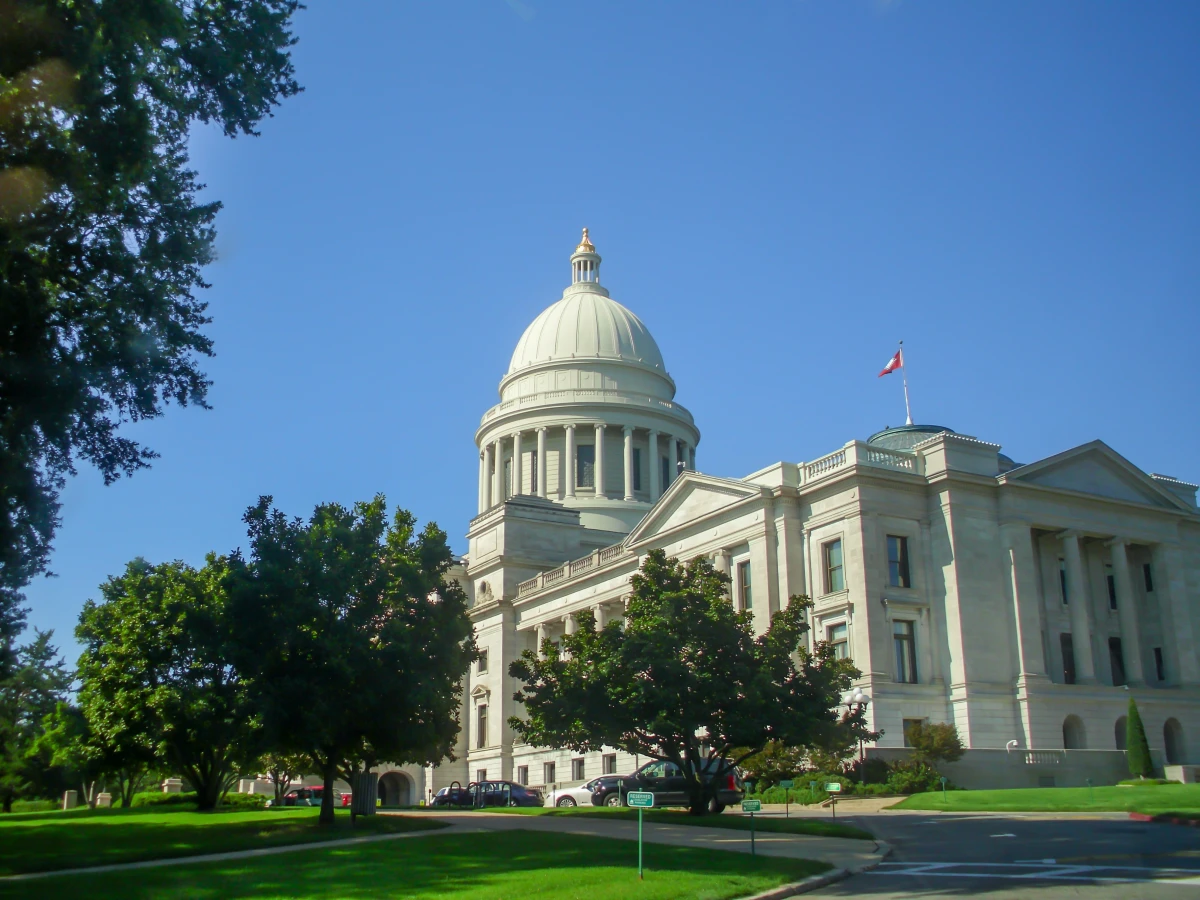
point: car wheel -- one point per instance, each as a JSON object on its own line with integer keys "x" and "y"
{"x": 612, "y": 800}
{"x": 513, "y": 803}
{"x": 715, "y": 807}
{"x": 565, "y": 803}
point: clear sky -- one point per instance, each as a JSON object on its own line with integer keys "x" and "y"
{"x": 780, "y": 190}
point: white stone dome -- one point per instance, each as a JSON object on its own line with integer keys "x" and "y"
{"x": 586, "y": 324}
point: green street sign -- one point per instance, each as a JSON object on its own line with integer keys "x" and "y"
{"x": 786, "y": 784}
{"x": 833, "y": 788}
{"x": 640, "y": 799}
{"x": 751, "y": 806}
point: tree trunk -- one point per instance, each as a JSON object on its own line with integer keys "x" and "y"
{"x": 8, "y": 803}
{"x": 328, "y": 773}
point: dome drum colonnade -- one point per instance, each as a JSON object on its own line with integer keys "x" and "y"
{"x": 584, "y": 367}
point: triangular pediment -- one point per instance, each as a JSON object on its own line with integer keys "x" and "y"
{"x": 691, "y": 498}
{"x": 1098, "y": 470}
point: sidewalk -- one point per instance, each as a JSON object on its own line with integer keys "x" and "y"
{"x": 841, "y": 853}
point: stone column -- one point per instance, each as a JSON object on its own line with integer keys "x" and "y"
{"x": 655, "y": 465}
{"x": 483, "y": 480}
{"x": 1131, "y": 641}
{"x": 601, "y": 615}
{"x": 1078, "y": 599}
{"x": 721, "y": 562}
{"x": 1170, "y": 587}
{"x": 541, "y": 639}
{"x": 1017, "y": 539}
{"x": 676, "y": 447}
{"x": 598, "y": 480}
{"x": 570, "y": 623}
{"x": 683, "y": 454}
{"x": 541, "y": 462}
{"x": 569, "y": 474}
{"x": 498, "y": 474}
{"x": 629, "y": 462}
{"x": 517, "y": 486}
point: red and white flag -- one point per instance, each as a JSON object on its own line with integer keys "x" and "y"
{"x": 894, "y": 363}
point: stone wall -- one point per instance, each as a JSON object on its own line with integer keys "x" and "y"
{"x": 992, "y": 769}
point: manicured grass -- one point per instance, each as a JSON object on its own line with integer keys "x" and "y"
{"x": 736, "y": 822}
{"x": 1182, "y": 798}
{"x": 499, "y": 866}
{"x": 39, "y": 842}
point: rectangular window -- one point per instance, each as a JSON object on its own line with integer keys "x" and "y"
{"x": 906, "y": 652}
{"x": 1112, "y": 587}
{"x": 481, "y": 726}
{"x": 1116, "y": 661}
{"x": 1148, "y": 577}
{"x": 908, "y": 724}
{"x": 533, "y": 473}
{"x": 480, "y": 775}
{"x": 835, "y": 577}
{"x": 743, "y": 576}
{"x": 522, "y": 774}
{"x": 483, "y": 662}
{"x": 585, "y": 465}
{"x": 577, "y": 770}
{"x": 637, "y": 469}
{"x": 666, "y": 473}
{"x": 1062, "y": 578}
{"x": 898, "y": 575}
{"x": 839, "y": 636}
{"x": 1160, "y": 668}
{"x": 1068, "y": 657}
{"x": 508, "y": 478}
{"x": 547, "y": 773}
{"x": 609, "y": 763}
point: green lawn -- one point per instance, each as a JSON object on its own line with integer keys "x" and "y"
{"x": 798, "y": 825}
{"x": 1182, "y": 798}
{"x": 498, "y": 866}
{"x": 37, "y": 842}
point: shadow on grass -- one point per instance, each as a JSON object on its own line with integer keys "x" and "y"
{"x": 48, "y": 842}
{"x": 497, "y": 866}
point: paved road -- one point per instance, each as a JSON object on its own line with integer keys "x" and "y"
{"x": 1031, "y": 857}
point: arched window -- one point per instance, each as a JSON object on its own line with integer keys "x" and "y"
{"x": 1074, "y": 736}
{"x": 1173, "y": 739}
{"x": 1119, "y": 733}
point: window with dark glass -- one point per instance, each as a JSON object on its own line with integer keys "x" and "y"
{"x": 481, "y": 776}
{"x": 547, "y": 773}
{"x": 508, "y": 479}
{"x": 481, "y": 726}
{"x": 898, "y": 575}
{"x": 522, "y": 774}
{"x": 1062, "y": 578}
{"x": 609, "y": 764}
{"x": 533, "y": 473}
{"x": 839, "y": 636}
{"x": 1148, "y": 577}
{"x": 1112, "y": 587}
{"x": 908, "y": 726}
{"x": 637, "y": 469}
{"x": 666, "y": 473}
{"x": 1116, "y": 661}
{"x": 906, "y": 652}
{"x": 743, "y": 577}
{"x": 585, "y": 465}
{"x": 577, "y": 770}
{"x": 483, "y": 662}
{"x": 835, "y": 577}
{"x": 1067, "y": 646}
{"x": 1160, "y": 668}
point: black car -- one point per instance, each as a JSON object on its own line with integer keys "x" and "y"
{"x": 606, "y": 790}
{"x": 665, "y": 780}
{"x": 487, "y": 793}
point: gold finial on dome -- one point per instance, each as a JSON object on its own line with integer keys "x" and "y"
{"x": 585, "y": 246}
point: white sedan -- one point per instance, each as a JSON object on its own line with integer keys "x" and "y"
{"x": 568, "y": 797}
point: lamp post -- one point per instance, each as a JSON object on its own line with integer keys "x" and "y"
{"x": 856, "y": 704}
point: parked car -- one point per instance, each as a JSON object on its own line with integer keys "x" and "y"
{"x": 665, "y": 780}
{"x": 583, "y": 795}
{"x": 487, "y": 793}
{"x": 311, "y": 796}
{"x": 606, "y": 790}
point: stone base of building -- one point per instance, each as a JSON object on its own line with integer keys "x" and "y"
{"x": 1002, "y": 769}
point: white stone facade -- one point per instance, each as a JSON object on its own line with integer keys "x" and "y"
{"x": 935, "y": 560}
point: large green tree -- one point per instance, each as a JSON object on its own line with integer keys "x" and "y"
{"x": 157, "y": 673}
{"x": 358, "y": 640}
{"x": 39, "y": 680}
{"x": 102, "y": 237}
{"x": 685, "y": 680}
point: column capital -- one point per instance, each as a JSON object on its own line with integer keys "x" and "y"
{"x": 1118, "y": 541}
{"x": 542, "y": 429}
{"x": 1068, "y": 534}
{"x": 628, "y": 429}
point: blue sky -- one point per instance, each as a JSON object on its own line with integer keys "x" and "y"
{"x": 780, "y": 190}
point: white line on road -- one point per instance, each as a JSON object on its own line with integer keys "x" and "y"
{"x": 1041, "y": 870}
{"x": 1008, "y": 834}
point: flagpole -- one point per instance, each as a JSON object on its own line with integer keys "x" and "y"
{"x": 904, "y": 375}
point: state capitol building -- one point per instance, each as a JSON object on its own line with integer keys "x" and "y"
{"x": 1022, "y": 602}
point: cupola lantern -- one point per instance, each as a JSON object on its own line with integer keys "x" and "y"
{"x": 585, "y": 262}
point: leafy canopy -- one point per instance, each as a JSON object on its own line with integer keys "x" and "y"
{"x": 38, "y": 682}
{"x": 934, "y": 742}
{"x": 686, "y": 680}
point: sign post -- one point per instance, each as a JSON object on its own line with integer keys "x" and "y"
{"x": 944, "y": 789}
{"x": 751, "y": 806}
{"x": 641, "y": 800}
{"x": 786, "y": 784}
{"x": 833, "y": 788}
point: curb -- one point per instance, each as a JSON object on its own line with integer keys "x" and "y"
{"x": 1166, "y": 820}
{"x": 813, "y": 882}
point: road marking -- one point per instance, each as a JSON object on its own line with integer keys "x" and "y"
{"x": 1009, "y": 834}
{"x": 1040, "y": 871}
{"x": 1044, "y": 862}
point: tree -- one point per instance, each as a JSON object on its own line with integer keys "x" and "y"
{"x": 102, "y": 238}
{"x": 1137, "y": 749}
{"x": 357, "y": 639}
{"x": 284, "y": 768}
{"x": 39, "y": 681}
{"x": 686, "y": 680}
{"x": 85, "y": 756}
{"x": 157, "y": 673}
{"x": 775, "y": 762}
{"x": 934, "y": 743}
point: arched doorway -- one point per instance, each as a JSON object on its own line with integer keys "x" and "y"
{"x": 1173, "y": 740}
{"x": 1119, "y": 731}
{"x": 1074, "y": 735}
{"x": 395, "y": 789}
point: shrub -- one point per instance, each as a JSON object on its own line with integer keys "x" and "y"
{"x": 934, "y": 743}
{"x": 21, "y": 806}
{"x": 915, "y": 778}
{"x": 1137, "y": 750}
{"x": 1135, "y": 782}
{"x": 229, "y": 801}
{"x": 875, "y": 771}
